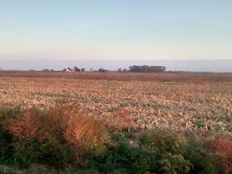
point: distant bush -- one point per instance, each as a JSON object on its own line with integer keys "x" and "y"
{"x": 102, "y": 70}
{"x": 76, "y": 69}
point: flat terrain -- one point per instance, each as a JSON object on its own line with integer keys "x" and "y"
{"x": 199, "y": 102}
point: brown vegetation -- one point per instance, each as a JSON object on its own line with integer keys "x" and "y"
{"x": 120, "y": 119}
{"x": 76, "y": 127}
{"x": 125, "y": 76}
{"x": 25, "y": 127}
{"x": 184, "y": 102}
{"x": 221, "y": 147}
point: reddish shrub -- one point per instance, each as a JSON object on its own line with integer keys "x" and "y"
{"x": 224, "y": 148}
{"x": 120, "y": 119}
{"x": 63, "y": 124}
{"x": 221, "y": 148}
{"x": 24, "y": 127}
{"x": 85, "y": 131}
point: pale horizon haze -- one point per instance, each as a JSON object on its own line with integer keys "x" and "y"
{"x": 37, "y": 34}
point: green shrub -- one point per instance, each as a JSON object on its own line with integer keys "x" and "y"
{"x": 173, "y": 164}
{"x": 198, "y": 123}
{"x": 157, "y": 152}
{"x": 201, "y": 160}
{"x": 161, "y": 141}
{"x": 27, "y": 153}
{"x": 163, "y": 152}
{"x": 114, "y": 159}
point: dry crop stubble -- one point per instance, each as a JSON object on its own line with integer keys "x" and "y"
{"x": 177, "y": 101}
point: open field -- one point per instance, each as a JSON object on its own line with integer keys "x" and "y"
{"x": 197, "y": 102}
{"x": 115, "y": 123}
{"x": 125, "y": 76}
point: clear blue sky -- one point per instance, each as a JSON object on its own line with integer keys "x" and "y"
{"x": 115, "y": 29}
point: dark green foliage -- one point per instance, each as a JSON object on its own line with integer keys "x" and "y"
{"x": 155, "y": 153}
{"x": 27, "y": 153}
{"x": 201, "y": 160}
{"x": 58, "y": 156}
{"x": 6, "y": 148}
{"x": 114, "y": 159}
{"x": 198, "y": 123}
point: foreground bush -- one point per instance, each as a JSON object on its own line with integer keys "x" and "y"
{"x": 53, "y": 138}
{"x": 66, "y": 138}
{"x": 221, "y": 147}
{"x": 163, "y": 152}
{"x": 157, "y": 152}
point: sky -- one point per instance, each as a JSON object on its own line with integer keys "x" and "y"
{"x": 115, "y": 30}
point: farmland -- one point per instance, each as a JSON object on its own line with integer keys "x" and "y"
{"x": 195, "y": 102}
{"x": 115, "y": 122}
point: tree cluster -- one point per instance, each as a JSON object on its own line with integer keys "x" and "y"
{"x": 146, "y": 68}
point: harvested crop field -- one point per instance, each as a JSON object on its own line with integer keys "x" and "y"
{"x": 201, "y": 103}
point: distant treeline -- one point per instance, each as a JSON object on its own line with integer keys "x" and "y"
{"x": 133, "y": 68}
{"x": 146, "y": 68}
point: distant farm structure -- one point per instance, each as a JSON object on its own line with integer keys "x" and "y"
{"x": 75, "y": 69}
{"x": 146, "y": 68}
